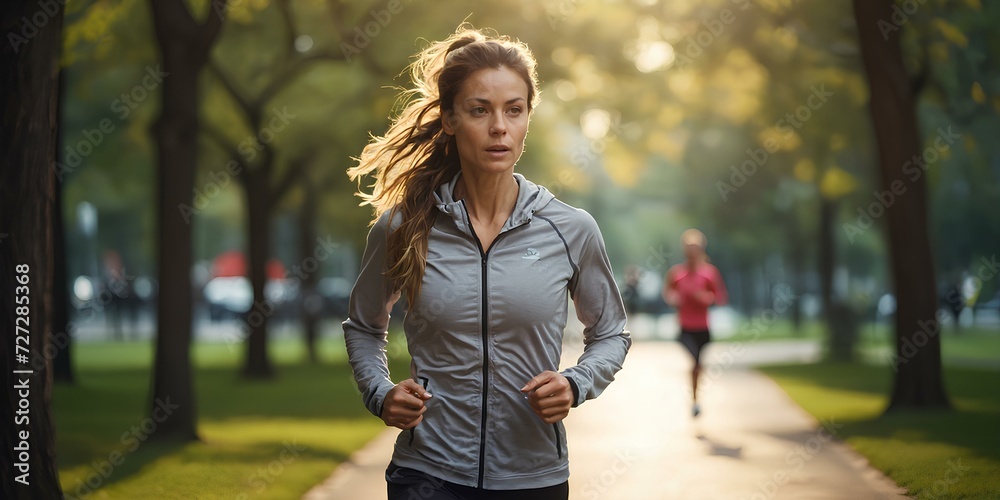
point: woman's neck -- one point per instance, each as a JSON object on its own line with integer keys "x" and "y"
{"x": 489, "y": 198}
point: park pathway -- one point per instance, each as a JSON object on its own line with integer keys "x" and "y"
{"x": 639, "y": 441}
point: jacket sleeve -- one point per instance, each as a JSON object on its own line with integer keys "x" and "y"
{"x": 599, "y": 307}
{"x": 365, "y": 330}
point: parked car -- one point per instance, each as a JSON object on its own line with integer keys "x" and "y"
{"x": 228, "y": 297}
{"x": 336, "y": 294}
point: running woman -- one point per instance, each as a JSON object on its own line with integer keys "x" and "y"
{"x": 486, "y": 260}
{"x": 692, "y": 287}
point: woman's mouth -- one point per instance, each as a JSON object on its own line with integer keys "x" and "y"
{"x": 499, "y": 150}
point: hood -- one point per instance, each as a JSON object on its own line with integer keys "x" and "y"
{"x": 530, "y": 198}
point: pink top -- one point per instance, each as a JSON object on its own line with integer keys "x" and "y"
{"x": 687, "y": 289}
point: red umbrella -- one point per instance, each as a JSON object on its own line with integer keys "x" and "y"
{"x": 275, "y": 270}
{"x": 233, "y": 263}
{"x": 228, "y": 264}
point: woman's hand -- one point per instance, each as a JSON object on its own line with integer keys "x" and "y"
{"x": 404, "y": 405}
{"x": 550, "y": 395}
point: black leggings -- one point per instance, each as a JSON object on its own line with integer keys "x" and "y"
{"x": 410, "y": 484}
{"x": 694, "y": 341}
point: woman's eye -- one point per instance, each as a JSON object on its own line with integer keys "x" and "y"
{"x": 514, "y": 111}
{"x": 478, "y": 110}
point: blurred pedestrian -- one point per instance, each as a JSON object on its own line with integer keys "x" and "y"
{"x": 954, "y": 300}
{"x": 692, "y": 287}
{"x": 485, "y": 259}
{"x": 630, "y": 292}
{"x": 117, "y": 295}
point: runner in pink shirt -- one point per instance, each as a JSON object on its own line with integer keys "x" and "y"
{"x": 692, "y": 287}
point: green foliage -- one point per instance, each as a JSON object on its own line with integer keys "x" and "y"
{"x": 683, "y": 90}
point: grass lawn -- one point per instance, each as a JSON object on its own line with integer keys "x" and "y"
{"x": 941, "y": 454}
{"x": 975, "y": 346}
{"x": 260, "y": 440}
{"x": 756, "y": 328}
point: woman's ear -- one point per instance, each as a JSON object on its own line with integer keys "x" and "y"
{"x": 448, "y": 122}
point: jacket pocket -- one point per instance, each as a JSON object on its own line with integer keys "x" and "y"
{"x": 424, "y": 382}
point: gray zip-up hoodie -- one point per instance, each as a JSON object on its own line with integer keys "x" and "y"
{"x": 488, "y": 320}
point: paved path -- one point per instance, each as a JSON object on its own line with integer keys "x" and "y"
{"x": 638, "y": 440}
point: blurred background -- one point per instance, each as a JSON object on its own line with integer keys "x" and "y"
{"x": 750, "y": 120}
{"x": 654, "y": 119}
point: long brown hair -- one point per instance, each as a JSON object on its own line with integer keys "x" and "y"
{"x": 415, "y": 156}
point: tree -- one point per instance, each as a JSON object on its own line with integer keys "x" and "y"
{"x": 265, "y": 185}
{"x": 29, "y": 65}
{"x": 62, "y": 363}
{"x": 184, "y": 45}
{"x": 308, "y": 212}
{"x": 893, "y": 95}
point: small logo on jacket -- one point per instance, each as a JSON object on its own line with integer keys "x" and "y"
{"x": 531, "y": 254}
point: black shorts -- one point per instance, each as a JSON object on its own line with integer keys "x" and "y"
{"x": 694, "y": 341}
{"x": 408, "y": 484}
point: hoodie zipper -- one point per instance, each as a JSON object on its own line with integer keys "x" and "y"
{"x": 486, "y": 362}
{"x": 484, "y": 258}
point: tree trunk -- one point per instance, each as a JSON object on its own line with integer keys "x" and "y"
{"x": 258, "y": 363}
{"x": 29, "y": 87}
{"x": 184, "y": 47}
{"x": 918, "y": 380}
{"x": 311, "y": 304}
{"x": 840, "y": 319}
{"x": 797, "y": 258}
{"x": 826, "y": 255}
{"x": 62, "y": 340}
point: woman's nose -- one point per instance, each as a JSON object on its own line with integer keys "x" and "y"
{"x": 498, "y": 127}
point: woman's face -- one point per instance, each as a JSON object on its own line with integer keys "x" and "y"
{"x": 489, "y": 120}
{"x": 693, "y": 253}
